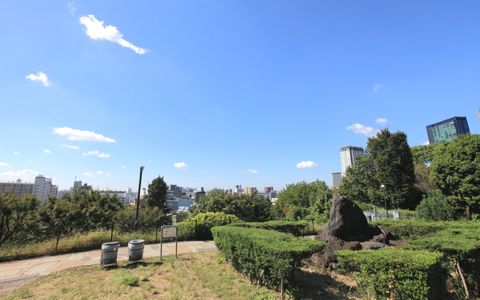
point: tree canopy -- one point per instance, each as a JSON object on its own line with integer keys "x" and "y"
{"x": 456, "y": 171}
{"x": 157, "y": 194}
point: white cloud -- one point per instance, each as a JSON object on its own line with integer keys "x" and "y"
{"x": 24, "y": 175}
{"x": 377, "y": 88}
{"x": 358, "y": 128}
{"x": 381, "y": 121}
{"x": 46, "y": 151}
{"x": 253, "y": 171}
{"x": 4, "y": 164}
{"x": 96, "y": 173}
{"x": 96, "y": 153}
{"x": 82, "y": 135}
{"x": 16, "y": 153}
{"x": 180, "y": 165}
{"x": 73, "y": 147}
{"x": 97, "y": 31}
{"x": 123, "y": 167}
{"x": 40, "y": 76}
{"x": 307, "y": 164}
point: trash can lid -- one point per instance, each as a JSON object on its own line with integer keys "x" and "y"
{"x": 136, "y": 242}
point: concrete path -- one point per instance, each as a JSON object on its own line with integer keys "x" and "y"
{"x": 16, "y": 273}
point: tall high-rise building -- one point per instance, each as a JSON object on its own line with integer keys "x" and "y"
{"x": 348, "y": 156}
{"x": 43, "y": 187}
{"x": 336, "y": 179}
{"x": 19, "y": 188}
{"x": 447, "y": 130}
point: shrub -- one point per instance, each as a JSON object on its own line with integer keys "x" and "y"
{"x": 435, "y": 207}
{"x": 294, "y": 227}
{"x": 395, "y": 273}
{"x": 407, "y": 229}
{"x": 198, "y": 227}
{"x": 267, "y": 257}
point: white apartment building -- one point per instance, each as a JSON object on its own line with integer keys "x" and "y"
{"x": 348, "y": 156}
{"x": 43, "y": 187}
{"x": 19, "y": 188}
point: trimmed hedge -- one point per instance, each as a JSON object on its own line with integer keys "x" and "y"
{"x": 267, "y": 257}
{"x": 294, "y": 227}
{"x": 198, "y": 227}
{"x": 395, "y": 273}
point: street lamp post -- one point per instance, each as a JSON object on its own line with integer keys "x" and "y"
{"x": 384, "y": 198}
{"x": 138, "y": 198}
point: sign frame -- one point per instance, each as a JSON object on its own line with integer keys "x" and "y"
{"x": 168, "y": 229}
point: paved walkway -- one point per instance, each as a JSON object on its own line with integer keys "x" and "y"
{"x": 16, "y": 273}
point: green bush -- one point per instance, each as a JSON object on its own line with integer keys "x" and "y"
{"x": 435, "y": 207}
{"x": 198, "y": 227}
{"x": 265, "y": 256}
{"x": 294, "y": 227}
{"x": 407, "y": 229}
{"x": 395, "y": 273}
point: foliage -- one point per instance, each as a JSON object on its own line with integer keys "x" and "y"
{"x": 293, "y": 227}
{"x": 126, "y": 278}
{"x": 14, "y": 214}
{"x": 303, "y": 200}
{"x": 388, "y": 163}
{"x": 456, "y": 170}
{"x": 198, "y": 227}
{"x": 246, "y": 207}
{"x": 57, "y": 217}
{"x": 395, "y": 273}
{"x": 265, "y": 256}
{"x": 423, "y": 155}
{"x": 435, "y": 207}
{"x": 157, "y": 194}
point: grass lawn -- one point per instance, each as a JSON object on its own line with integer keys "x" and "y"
{"x": 192, "y": 276}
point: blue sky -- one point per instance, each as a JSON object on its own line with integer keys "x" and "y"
{"x": 219, "y": 93}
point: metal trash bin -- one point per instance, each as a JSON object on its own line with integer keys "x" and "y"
{"x": 135, "y": 250}
{"x": 109, "y": 253}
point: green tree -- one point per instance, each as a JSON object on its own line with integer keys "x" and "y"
{"x": 456, "y": 171}
{"x": 435, "y": 207}
{"x": 246, "y": 207}
{"x": 422, "y": 160}
{"x": 393, "y": 163}
{"x": 157, "y": 194}
{"x": 360, "y": 183}
{"x": 56, "y": 217}
{"x": 14, "y": 213}
{"x": 303, "y": 200}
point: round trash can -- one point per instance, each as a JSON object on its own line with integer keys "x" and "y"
{"x": 135, "y": 250}
{"x": 109, "y": 253}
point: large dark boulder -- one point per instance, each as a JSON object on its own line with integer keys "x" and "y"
{"x": 347, "y": 222}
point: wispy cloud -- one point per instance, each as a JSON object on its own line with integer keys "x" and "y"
{"x": 96, "y": 153}
{"x": 16, "y": 153}
{"x": 46, "y": 151}
{"x": 381, "y": 121}
{"x": 4, "y": 164}
{"x": 358, "y": 128}
{"x": 82, "y": 135}
{"x": 307, "y": 164}
{"x": 73, "y": 147}
{"x": 377, "y": 88}
{"x": 180, "y": 165}
{"x": 71, "y": 7}
{"x": 97, "y": 31}
{"x": 96, "y": 173}
{"x": 123, "y": 167}
{"x": 25, "y": 175}
{"x": 253, "y": 171}
{"x": 40, "y": 76}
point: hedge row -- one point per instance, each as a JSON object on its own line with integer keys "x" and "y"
{"x": 294, "y": 227}
{"x": 267, "y": 257}
{"x": 395, "y": 273}
{"x": 459, "y": 241}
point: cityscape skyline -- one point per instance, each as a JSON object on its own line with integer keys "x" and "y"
{"x": 262, "y": 94}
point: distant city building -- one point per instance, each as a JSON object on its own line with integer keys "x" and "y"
{"x": 336, "y": 179}
{"x": 19, "y": 188}
{"x": 43, "y": 188}
{"x": 250, "y": 190}
{"x": 268, "y": 189}
{"x": 199, "y": 195}
{"x": 348, "y": 157}
{"x": 61, "y": 194}
{"x": 238, "y": 189}
{"x": 447, "y": 130}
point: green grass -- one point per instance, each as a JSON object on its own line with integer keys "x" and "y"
{"x": 193, "y": 276}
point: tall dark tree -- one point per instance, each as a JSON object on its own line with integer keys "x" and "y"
{"x": 360, "y": 183}
{"x": 456, "y": 171}
{"x": 157, "y": 194}
{"x": 393, "y": 163}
